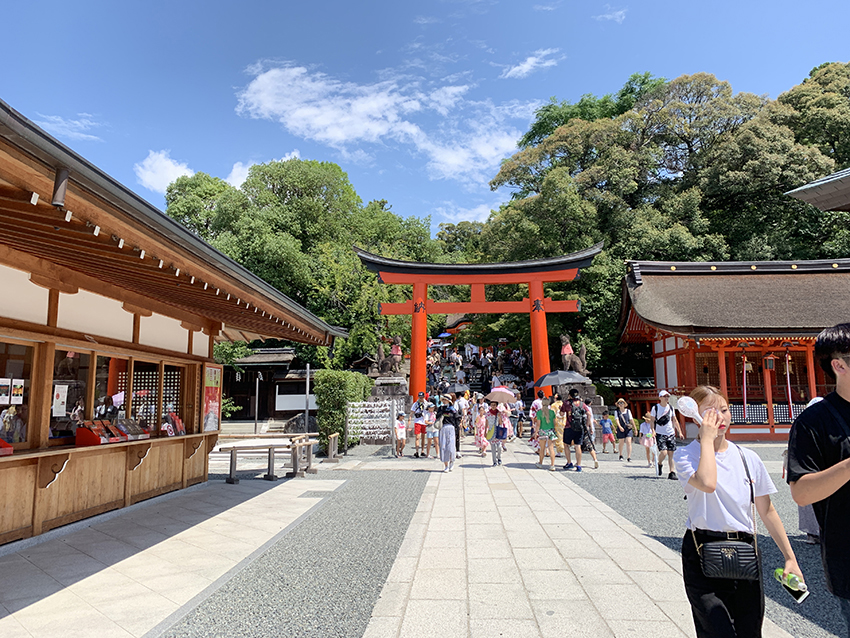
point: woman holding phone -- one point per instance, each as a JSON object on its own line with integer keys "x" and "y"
{"x": 724, "y": 484}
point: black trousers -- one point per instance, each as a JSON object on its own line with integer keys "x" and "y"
{"x": 721, "y": 608}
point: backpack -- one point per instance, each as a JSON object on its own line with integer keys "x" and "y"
{"x": 578, "y": 418}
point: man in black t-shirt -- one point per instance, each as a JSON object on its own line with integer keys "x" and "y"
{"x": 819, "y": 462}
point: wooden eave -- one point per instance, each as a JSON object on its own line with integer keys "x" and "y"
{"x": 96, "y": 243}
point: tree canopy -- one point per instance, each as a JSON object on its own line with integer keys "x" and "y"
{"x": 684, "y": 169}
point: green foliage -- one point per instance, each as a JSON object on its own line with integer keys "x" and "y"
{"x": 334, "y": 389}
{"x": 821, "y": 105}
{"x": 228, "y": 407}
{"x": 607, "y": 394}
{"x": 590, "y": 108}
{"x": 193, "y": 202}
{"x": 226, "y": 352}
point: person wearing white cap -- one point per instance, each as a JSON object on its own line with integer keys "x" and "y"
{"x": 665, "y": 427}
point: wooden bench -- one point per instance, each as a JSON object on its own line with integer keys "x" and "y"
{"x": 301, "y": 457}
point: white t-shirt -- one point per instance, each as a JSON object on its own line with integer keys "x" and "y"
{"x": 422, "y": 409}
{"x": 536, "y": 405}
{"x": 645, "y": 429}
{"x": 667, "y": 428}
{"x": 495, "y": 382}
{"x": 461, "y": 404}
{"x": 728, "y": 508}
{"x": 460, "y": 375}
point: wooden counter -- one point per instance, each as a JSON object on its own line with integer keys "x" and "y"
{"x": 44, "y": 489}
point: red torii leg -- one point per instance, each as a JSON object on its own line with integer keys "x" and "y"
{"x": 418, "y": 339}
{"x": 539, "y": 333}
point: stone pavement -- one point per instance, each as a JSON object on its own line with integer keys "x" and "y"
{"x": 520, "y": 551}
{"x": 490, "y": 551}
{"x": 125, "y": 573}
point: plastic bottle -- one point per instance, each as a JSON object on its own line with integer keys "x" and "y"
{"x": 792, "y": 581}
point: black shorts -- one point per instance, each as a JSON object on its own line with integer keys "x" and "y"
{"x": 666, "y": 442}
{"x": 573, "y": 437}
{"x": 624, "y": 434}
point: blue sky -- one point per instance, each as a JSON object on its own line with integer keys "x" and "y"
{"x": 418, "y": 102}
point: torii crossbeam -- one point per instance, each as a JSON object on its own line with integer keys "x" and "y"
{"x": 534, "y": 272}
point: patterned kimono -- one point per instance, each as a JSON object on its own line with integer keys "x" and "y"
{"x": 481, "y": 441}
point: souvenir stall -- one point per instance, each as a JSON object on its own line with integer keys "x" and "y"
{"x": 108, "y": 391}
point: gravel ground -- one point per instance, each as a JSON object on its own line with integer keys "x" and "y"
{"x": 324, "y": 576}
{"x": 657, "y": 507}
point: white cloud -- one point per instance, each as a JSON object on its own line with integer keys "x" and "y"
{"x": 425, "y": 20}
{"x": 239, "y": 172}
{"x": 617, "y": 15}
{"x": 70, "y": 129}
{"x": 465, "y": 143}
{"x": 452, "y": 213}
{"x": 158, "y": 170}
{"x": 541, "y": 59}
{"x": 545, "y": 7}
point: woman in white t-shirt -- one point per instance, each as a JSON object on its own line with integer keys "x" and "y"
{"x": 711, "y": 470}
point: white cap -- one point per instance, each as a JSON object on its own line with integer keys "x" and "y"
{"x": 663, "y": 393}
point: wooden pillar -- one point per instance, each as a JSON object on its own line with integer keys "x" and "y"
{"x": 418, "y": 339}
{"x": 810, "y": 370}
{"x": 539, "y": 332}
{"x": 721, "y": 366}
{"x": 768, "y": 395}
{"x": 41, "y": 395}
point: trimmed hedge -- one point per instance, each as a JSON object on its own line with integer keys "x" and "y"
{"x": 334, "y": 389}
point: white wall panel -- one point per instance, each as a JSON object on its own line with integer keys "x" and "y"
{"x": 660, "y": 379}
{"x": 672, "y": 372}
{"x": 201, "y": 344}
{"x": 20, "y": 298}
{"x": 670, "y": 343}
{"x": 163, "y": 332}
{"x": 658, "y": 346}
{"x": 95, "y": 315}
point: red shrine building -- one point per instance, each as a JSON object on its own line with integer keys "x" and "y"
{"x": 748, "y": 328}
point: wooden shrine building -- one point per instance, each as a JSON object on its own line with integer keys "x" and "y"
{"x": 746, "y": 327}
{"x": 108, "y": 391}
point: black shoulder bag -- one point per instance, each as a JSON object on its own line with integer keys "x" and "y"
{"x": 732, "y": 559}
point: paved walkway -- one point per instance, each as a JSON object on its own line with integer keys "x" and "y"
{"x": 519, "y": 551}
{"x": 490, "y": 551}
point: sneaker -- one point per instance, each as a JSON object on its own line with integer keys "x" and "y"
{"x": 459, "y": 455}
{"x": 596, "y": 465}
{"x": 621, "y": 457}
{"x": 445, "y": 470}
{"x": 551, "y": 468}
{"x": 539, "y": 466}
{"x": 629, "y": 460}
{"x": 660, "y": 470}
{"x": 672, "y": 476}
{"x": 495, "y": 464}
{"x": 578, "y": 468}
{"x": 569, "y": 466}
{"x": 500, "y": 461}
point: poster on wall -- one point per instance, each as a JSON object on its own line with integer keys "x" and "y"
{"x": 5, "y": 391}
{"x": 17, "y": 391}
{"x": 212, "y": 397}
{"x": 60, "y": 400}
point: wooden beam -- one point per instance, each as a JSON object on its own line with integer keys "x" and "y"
{"x": 53, "y": 284}
{"x": 136, "y": 310}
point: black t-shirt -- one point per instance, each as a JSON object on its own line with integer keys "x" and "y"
{"x": 817, "y": 442}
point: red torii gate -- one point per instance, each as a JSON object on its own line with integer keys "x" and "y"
{"x": 534, "y": 272}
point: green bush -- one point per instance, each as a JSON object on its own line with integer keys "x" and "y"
{"x": 334, "y": 389}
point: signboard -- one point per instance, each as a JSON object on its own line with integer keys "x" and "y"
{"x": 212, "y": 397}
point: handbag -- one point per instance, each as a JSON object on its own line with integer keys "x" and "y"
{"x": 731, "y": 559}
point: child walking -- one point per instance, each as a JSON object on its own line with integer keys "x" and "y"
{"x": 607, "y": 432}
{"x": 400, "y": 435}
{"x": 497, "y": 423}
{"x": 647, "y": 438}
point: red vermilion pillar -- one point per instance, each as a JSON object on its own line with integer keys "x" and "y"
{"x": 810, "y": 370}
{"x": 418, "y": 339}
{"x": 539, "y": 333}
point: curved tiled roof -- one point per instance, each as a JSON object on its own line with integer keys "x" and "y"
{"x": 736, "y": 298}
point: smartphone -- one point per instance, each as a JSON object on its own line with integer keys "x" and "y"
{"x": 796, "y": 594}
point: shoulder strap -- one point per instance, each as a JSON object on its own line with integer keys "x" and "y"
{"x": 752, "y": 498}
{"x": 837, "y": 416}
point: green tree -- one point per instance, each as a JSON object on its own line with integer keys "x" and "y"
{"x": 193, "y": 201}
{"x": 821, "y": 115}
